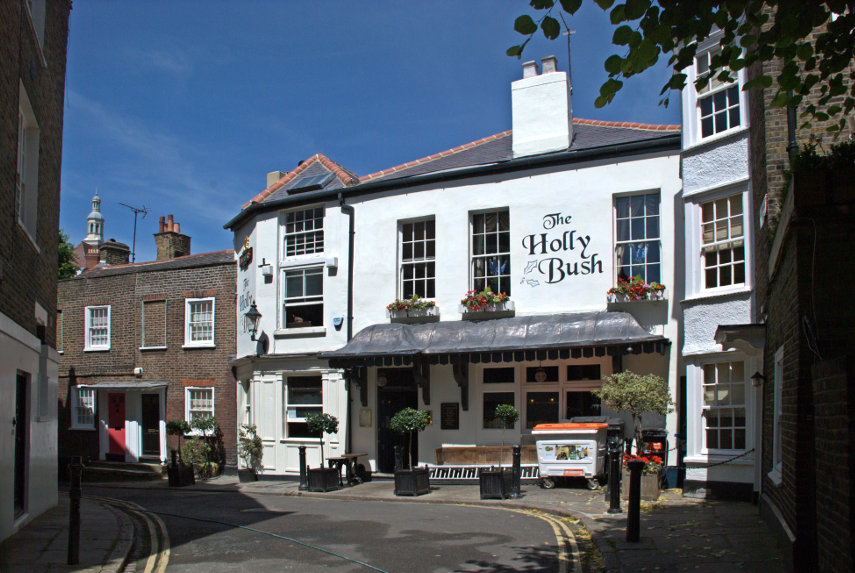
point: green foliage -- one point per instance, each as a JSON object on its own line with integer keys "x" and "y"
{"x": 747, "y": 35}
{"x": 508, "y": 415}
{"x": 414, "y": 303}
{"x": 322, "y": 423}
{"x": 409, "y": 421}
{"x": 177, "y": 428}
{"x": 66, "y": 259}
{"x": 811, "y": 157}
{"x": 636, "y": 393}
{"x": 250, "y": 448}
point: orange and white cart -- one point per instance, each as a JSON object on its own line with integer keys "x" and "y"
{"x": 570, "y": 450}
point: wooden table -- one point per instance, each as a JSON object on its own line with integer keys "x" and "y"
{"x": 349, "y": 463}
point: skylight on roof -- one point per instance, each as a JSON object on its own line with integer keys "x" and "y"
{"x": 310, "y": 183}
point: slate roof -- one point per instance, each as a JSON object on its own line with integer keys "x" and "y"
{"x": 186, "y": 262}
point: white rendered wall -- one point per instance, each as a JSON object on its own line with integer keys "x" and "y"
{"x": 19, "y": 350}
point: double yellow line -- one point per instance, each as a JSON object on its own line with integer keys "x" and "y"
{"x": 158, "y": 557}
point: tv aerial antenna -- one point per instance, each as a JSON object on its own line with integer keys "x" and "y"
{"x": 137, "y": 211}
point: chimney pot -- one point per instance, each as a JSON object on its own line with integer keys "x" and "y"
{"x": 162, "y": 225}
{"x": 529, "y": 69}
{"x": 549, "y": 64}
{"x": 177, "y": 227}
{"x": 170, "y": 223}
{"x": 273, "y": 177}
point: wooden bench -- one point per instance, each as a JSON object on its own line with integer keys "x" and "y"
{"x": 483, "y": 455}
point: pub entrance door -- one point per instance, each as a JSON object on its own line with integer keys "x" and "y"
{"x": 116, "y": 427}
{"x": 396, "y": 391}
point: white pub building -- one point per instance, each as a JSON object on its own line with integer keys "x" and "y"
{"x": 550, "y": 213}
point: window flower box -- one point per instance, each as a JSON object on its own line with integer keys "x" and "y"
{"x": 635, "y": 289}
{"x": 486, "y": 304}
{"x": 412, "y": 310}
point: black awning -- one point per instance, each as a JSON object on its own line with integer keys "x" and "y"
{"x": 521, "y": 333}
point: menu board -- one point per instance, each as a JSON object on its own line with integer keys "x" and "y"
{"x": 450, "y": 416}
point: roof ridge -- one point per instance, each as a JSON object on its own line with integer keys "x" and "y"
{"x": 629, "y": 124}
{"x": 345, "y": 176}
{"x": 147, "y": 263}
{"x": 434, "y": 157}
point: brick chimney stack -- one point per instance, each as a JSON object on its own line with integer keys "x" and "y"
{"x": 113, "y": 252}
{"x": 169, "y": 240}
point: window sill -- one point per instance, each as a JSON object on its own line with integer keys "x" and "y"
{"x": 715, "y": 458}
{"x": 717, "y": 293}
{"x": 107, "y": 349}
{"x": 29, "y": 236}
{"x": 82, "y": 429}
{"x": 714, "y": 139}
{"x": 300, "y": 332}
{"x": 195, "y": 346}
{"x": 144, "y": 348}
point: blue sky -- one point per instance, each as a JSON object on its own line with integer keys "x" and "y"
{"x": 184, "y": 107}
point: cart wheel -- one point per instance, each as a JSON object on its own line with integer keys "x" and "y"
{"x": 547, "y": 483}
{"x": 593, "y": 484}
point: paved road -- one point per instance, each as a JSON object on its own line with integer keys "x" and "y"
{"x": 220, "y": 532}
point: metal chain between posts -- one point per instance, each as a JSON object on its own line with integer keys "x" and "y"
{"x": 727, "y": 461}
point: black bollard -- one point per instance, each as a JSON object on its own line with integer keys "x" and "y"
{"x": 174, "y": 454}
{"x": 615, "y": 455}
{"x": 399, "y": 462}
{"x": 517, "y": 475}
{"x": 303, "y": 483}
{"x": 633, "y": 510}
{"x": 74, "y": 493}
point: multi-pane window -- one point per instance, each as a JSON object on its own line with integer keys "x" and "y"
{"x": 304, "y": 232}
{"x": 723, "y": 242}
{"x": 303, "y": 395}
{"x": 199, "y": 403}
{"x": 718, "y": 101}
{"x": 724, "y": 405}
{"x": 97, "y": 328}
{"x": 541, "y": 408}
{"x": 199, "y": 322}
{"x": 491, "y": 251}
{"x": 154, "y": 324}
{"x": 303, "y": 297}
{"x": 27, "y": 174}
{"x": 637, "y": 245}
{"x": 83, "y": 408}
{"x": 418, "y": 259}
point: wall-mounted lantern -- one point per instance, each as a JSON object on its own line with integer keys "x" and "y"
{"x": 253, "y": 316}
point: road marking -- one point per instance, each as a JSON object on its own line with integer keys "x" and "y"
{"x": 158, "y": 557}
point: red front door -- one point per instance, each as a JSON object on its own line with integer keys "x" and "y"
{"x": 116, "y": 430}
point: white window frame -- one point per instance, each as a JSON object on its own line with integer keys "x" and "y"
{"x": 777, "y": 413}
{"x": 641, "y": 243}
{"x": 303, "y": 232}
{"x": 502, "y": 276}
{"x": 714, "y": 88}
{"x": 188, "y": 326}
{"x": 27, "y": 170}
{"x": 83, "y": 401}
{"x": 305, "y": 300}
{"x": 87, "y": 332}
{"x": 287, "y": 406}
{"x": 719, "y": 245}
{"x": 36, "y": 12}
{"x": 188, "y": 396}
{"x": 426, "y": 262}
{"x": 705, "y": 408}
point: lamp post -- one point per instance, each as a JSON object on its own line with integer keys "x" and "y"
{"x": 253, "y": 316}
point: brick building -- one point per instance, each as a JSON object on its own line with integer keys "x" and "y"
{"x": 33, "y": 41}
{"x": 805, "y": 261}
{"x": 145, "y": 343}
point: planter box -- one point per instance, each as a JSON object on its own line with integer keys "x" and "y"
{"x": 414, "y": 316}
{"x": 659, "y": 295}
{"x": 503, "y": 310}
{"x": 412, "y": 482}
{"x": 323, "y": 479}
{"x": 649, "y": 486}
{"x": 495, "y": 483}
{"x": 180, "y": 475}
{"x": 247, "y": 476}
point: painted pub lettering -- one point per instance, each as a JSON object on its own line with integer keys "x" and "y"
{"x": 569, "y": 250}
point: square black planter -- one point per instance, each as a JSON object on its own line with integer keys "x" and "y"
{"x": 180, "y": 475}
{"x": 412, "y": 482}
{"x": 495, "y": 483}
{"x": 323, "y": 479}
{"x": 247, "y": 476}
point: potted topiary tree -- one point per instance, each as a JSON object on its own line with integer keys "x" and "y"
{"x": 637, "y": 394}
{"x": 322, "y": 479}
{"x": 413, "y": 480}
{"x": 496, "y": 483}
{"x": 178, "y": 472}
{"x": 204, "y": 450}
{"x": 250, "y": 450}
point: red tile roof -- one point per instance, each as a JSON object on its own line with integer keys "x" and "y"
{"x": 345, "y": 176}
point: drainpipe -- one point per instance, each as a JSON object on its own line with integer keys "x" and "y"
{"x": 792, "y": 146}
{"x": 348, "y": 210}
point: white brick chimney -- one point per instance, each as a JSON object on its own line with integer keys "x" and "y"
{"x": 542, "y": 114}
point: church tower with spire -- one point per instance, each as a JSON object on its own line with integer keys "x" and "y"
{"x": 95, "y": 223}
